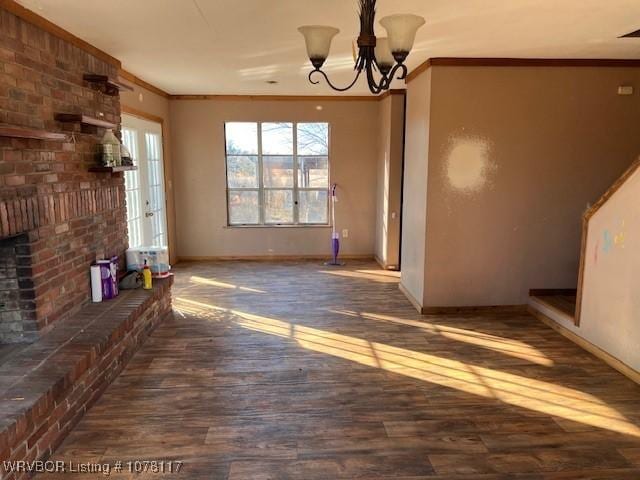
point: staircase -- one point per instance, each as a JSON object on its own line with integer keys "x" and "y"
{"x": 602, "y": 314}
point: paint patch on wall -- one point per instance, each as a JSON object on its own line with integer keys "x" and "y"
{"x": 619, "y": 238}
{"x": 616, "y": 240}
{"x": 607, "y": 241}
{"x": 468, "y": 166}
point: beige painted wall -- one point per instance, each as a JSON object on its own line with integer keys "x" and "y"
{"x": 198, "y": 148}
{"x": 515, "y": 155}
{"x": 389, "y": 192}
{"x": 156, "y": 105}
{"x": 414, "y": 209}
{"x": 610, "y": 316}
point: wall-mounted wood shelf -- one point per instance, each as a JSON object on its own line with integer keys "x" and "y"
{"x": 110, "y": 86}
{"x": 83, "y": 120}
{"x": 20, "y": 132}
{"x": 122, "y": 168}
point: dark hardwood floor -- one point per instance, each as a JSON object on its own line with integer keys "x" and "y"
{"x": 293, "y": 370}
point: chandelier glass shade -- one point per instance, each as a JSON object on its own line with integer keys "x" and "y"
{"x": 383, "y": 55}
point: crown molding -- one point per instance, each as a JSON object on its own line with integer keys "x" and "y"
{"x": 33, "y": 18}
{"x": 141, "y": 83}
{"x": 290, "y": 98}
{"x": 141, "y": 114}
{"x": 279, "y": 98}
{"x": 522, "y": 62}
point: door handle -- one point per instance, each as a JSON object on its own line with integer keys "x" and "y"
{"x": 148, "y": 214}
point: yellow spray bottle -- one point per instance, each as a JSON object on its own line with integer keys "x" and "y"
{"x": 146, "y": 276}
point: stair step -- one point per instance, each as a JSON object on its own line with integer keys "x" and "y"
{"x": 558, "y": 304}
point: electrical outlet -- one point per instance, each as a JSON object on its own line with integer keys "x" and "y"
{"x": 345, "y": 233}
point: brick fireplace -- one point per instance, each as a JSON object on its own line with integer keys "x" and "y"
{"x": 56, "y": 217}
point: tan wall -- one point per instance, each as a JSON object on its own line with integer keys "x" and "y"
{"x": 198, "y": 147}
{"x": 515, "y": 155}
{"x": 414, "y": 209}
{"x": 155, "y": 105}
{"x": 389, "y": 192}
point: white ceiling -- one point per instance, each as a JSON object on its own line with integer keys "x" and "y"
{"x": 235, "y": 46}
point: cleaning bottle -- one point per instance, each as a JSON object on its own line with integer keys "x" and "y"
{"x": 146, "y": 276}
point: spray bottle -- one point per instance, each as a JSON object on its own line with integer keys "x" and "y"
{"x": 146, "y": 276}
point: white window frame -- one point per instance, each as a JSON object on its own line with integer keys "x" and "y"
{"x": 261, "y": 189}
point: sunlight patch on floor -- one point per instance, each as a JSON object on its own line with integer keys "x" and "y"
{"x": 374, "y": 275}
{"x": 216, "y": 283}
{"x": 529, "y": 393}
{"x": 507, "y": 346}
{"x": 382, "y": 273}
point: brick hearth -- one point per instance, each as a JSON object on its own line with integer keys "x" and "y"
{"x": 47, "y": 386}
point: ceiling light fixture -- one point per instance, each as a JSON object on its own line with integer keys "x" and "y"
{"x": 385, "y": 55}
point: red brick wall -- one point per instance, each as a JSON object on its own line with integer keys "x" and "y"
{"x": 72, "y": 216}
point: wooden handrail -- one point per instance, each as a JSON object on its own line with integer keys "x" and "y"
{"x": 585, "y": 229}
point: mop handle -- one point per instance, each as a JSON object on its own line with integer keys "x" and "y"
{"x": 333, "y": 209}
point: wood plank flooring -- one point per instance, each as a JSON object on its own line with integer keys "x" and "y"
{"x": 293, "y": 370}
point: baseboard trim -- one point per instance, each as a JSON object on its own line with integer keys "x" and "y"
{"x": 494, "y": 309}
{"x": 607, "y": 358}
{"x": 267, "y": 258}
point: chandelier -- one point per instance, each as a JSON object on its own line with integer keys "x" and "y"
{"x": 384, "y": 55}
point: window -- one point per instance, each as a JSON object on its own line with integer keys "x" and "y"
{"x": 277, "y": 173}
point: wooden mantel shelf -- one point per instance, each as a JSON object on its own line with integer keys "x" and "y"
{"x": 21, "y": 132}
{"x": 122, "y": 168}
{"x": 83, "y": 120}
{"x": 111, "y": 87}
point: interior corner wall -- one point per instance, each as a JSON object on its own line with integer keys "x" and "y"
{"x": 155, "y": 105}
{"x": 199, "y": 148}
{"x": 515, "y": 156}
{"x": 414, "y": 208}
{"x": 389, "y": 191}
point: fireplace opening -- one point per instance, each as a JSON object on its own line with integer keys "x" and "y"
{"x": 18, "y": 324}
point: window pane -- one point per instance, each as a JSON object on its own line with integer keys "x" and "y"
{"x": 313, "y": 139}
{"x": 277, "y": 171}
{"x": 312, "y": 206}
{"x": 277, "y": 138}
{"x": 243, "y": 207}
{"x": 313, "y": 172}
{"x": 278, "y": 206}
{"x": 242, "y": 138}
{"x": 242, "y": 172}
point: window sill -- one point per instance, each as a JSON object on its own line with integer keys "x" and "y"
{"x": 276, "y": 226}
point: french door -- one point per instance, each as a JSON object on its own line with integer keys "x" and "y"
{"x": 146, "y": 206}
